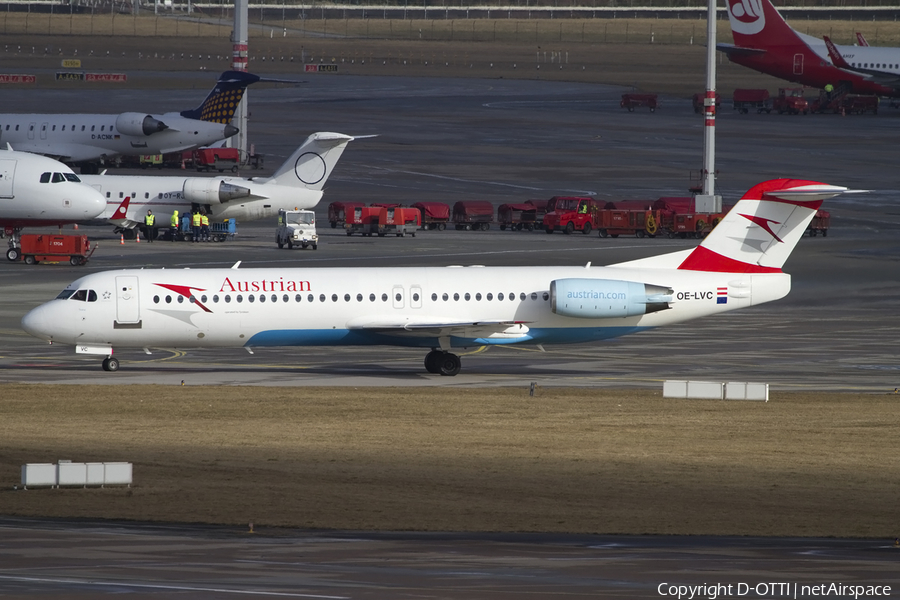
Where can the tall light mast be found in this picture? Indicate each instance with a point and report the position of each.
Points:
(239, 38)
(708, 201)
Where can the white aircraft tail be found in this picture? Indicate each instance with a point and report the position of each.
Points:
(311, 164)
(762, 229)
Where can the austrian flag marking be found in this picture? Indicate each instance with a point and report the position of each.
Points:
(722, 295)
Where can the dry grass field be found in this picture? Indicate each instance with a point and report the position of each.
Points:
(566, 460)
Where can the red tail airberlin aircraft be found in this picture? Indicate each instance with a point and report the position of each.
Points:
(438, 308)
(763, 41)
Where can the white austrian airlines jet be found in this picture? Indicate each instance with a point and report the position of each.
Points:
(36, 191)
(85, 139)
(736, 266)
(297, 184)
(763, 41)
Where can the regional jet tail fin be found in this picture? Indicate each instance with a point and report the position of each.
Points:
(224, 98)
(759, 233)
(311, 164)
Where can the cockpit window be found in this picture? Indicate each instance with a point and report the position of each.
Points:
(64, 295)
(58, 178)
(45, 177)
(92, 296)
(71, 177)
(80, 295)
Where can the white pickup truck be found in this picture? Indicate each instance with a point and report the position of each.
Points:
(296, 228)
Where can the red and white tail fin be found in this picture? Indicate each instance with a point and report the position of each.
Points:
(759, 233)
(835, 55)
(861, 39)
(121, 213)
(756, 24)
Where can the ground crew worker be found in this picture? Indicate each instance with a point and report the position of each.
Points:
(829, 90)
(204, 227)
(149, 228)
(195, 227)
(174, 224)
(582, 208)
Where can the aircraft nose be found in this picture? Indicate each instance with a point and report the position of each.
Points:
(91, 203)
(231, 130)
(36, 322)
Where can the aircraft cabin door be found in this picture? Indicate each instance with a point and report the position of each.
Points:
(128, 309)
(798, 64)
(44, 131)
(7, 175)
(31, 127)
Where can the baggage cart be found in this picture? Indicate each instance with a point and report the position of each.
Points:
(472, 215)
(219, 232)
(819, 224)
(632, 101)
(517, 217)
(74, 249)
(745, 100)
(435, 215)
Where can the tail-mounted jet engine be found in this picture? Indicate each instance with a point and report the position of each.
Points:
(131, 123)
(205, 190)
(607, 298)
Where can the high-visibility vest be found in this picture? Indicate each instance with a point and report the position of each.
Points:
(196, 219)
(204, 220)
(150, 220)
(174, 220)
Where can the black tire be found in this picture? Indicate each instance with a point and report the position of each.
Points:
(75, 261)
(548, 229)
(334, 224)
(234, 169)
(502, 226)
(448, 364)
(110, 364)
(570, 228)
(602, 233)
(824, 233)
(281, 244)
(639, 233)
(431, 361)
(485, 226)
(315, 246)
(13, 254)
(290, 244)
(530, 227)
(587, 229)
(30, 260)
(442, 226)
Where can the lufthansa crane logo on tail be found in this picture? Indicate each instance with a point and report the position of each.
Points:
(764, 224)
(747, 16)
(310, 168)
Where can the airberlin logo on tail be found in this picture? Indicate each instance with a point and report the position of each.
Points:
(746, 16)
(763, 223)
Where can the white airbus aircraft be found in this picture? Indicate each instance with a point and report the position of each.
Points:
(737, 265)
(86, 138)
(36, 190)
(297, 183)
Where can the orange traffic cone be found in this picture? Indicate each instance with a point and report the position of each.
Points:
(122, 239)
(76, 225)
(137, 236)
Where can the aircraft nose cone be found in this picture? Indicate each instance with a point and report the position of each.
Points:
(91, 202)
(35, 322)
(231, 130)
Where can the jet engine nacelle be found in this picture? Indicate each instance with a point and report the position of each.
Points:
(205, 190)
(606, 298)
(131, 123)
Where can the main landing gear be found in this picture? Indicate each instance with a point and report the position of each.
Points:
(15, 243)
(445, 363)
(111, 364)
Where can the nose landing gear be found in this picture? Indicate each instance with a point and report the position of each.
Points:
(111, 364)
(444, 363)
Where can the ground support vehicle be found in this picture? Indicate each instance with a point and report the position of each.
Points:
(632, 101)
(218, 159)
(570, 214)
(435, 215)
(698, 99)
(631, 217)
(362, 220)
(219, 232)
(791, 101)
(37, 248)
(399, 221)
(860, 105)
(338, 211)
(745, 100)
(472, 215)
(517, 217)
(694, 225)
(296, 228)
(151, 160)
(819, 224)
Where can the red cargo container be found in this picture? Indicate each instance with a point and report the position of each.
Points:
(630, 101)
(473, 214)
(746, 99)
(338, 211)
(819, 224)
(399, 221)
(55, 248)
(540, 209)
(435, 215)
(363, 219)
(517, 217)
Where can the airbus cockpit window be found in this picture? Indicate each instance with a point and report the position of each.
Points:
(64, 295)
(71, 177)
(58, 178)
(45, 177)
(82, 295)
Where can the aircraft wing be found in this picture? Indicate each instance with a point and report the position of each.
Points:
(441, 328)
(731, 49)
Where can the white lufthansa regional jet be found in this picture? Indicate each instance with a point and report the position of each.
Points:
(296, 184)
(37, 191)
(85, 139)
(736, 266)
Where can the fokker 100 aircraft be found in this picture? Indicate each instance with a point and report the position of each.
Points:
(85, 139)
(36, 191)
(441, 308)
(296, 184)
(763, 41)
